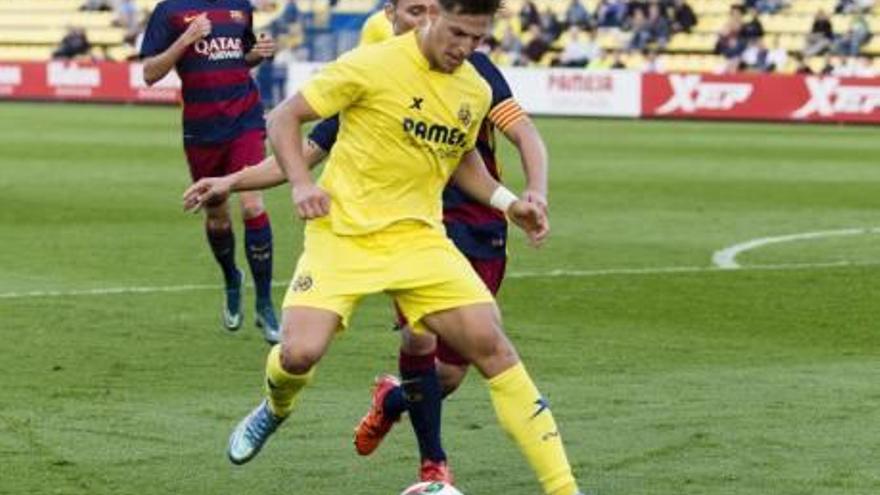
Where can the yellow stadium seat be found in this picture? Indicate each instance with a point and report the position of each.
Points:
(873, 46)
(710, 24)
(25, 52)
(16, 20)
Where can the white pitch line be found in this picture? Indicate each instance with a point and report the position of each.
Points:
(725, 259)
(549, 274)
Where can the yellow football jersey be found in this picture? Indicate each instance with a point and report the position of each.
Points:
(403, 130)
(376, 29)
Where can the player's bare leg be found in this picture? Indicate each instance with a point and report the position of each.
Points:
(451, 376)
(218, 228)
(475, 332)
(258, 248)
(290, 366)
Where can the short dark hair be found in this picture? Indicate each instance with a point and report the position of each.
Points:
(471, 7)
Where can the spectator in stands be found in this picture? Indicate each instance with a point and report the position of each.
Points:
(731, 29)
(97, 6)
(800, 65)
(754, 57)
(730, 43)
(730, 47)
(534, 50)
(770, 6)
(757, 57)
(510, 43)
(634, 5)
(74, 44)
(752, 28)
(577, 15)
(659, 26)
(682, 16)
(611, 13)
(850, 44)
(777, 56)
(641, 31)
(550, 24)
(653, 30)
(854, 6)
(127, 16)
(529, 15)
(821, 35)
(580, 47)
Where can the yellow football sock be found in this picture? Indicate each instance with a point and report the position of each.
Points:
(524, 415)
(282, 388)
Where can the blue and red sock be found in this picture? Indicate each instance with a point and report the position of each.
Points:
(258, 246)
(422, 396)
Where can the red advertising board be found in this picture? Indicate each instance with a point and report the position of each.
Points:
(68, 81)
(761, 97)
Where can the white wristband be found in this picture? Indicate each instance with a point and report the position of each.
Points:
(502, 198)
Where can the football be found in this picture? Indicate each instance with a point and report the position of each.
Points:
(431, 488)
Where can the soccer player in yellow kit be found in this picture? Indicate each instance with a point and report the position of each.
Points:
(375, 224)
(429, 370)
(376, 29)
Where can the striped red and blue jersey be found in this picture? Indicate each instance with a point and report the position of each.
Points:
(478, 231)
(220, 99)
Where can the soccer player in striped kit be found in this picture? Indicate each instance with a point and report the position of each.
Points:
(212, 46)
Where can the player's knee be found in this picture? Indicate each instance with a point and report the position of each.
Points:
(252, 206)
(299, 360)
(218, 224)
(493, 352)
(414, 344)
(217, 218)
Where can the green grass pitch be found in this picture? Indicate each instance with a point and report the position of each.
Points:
(666, 376)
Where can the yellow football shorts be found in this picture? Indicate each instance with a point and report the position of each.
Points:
(411, 261)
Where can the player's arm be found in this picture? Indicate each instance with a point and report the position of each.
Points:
(266, 175)
(533, 153)
(511, 119)
(285, 126)
(474, 179)
(336, 87)
(158, 66)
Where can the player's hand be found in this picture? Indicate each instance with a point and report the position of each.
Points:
(532, 219)
(198, 29)
(536, 197)
(206, 192)
(265, 46)
(311, 201)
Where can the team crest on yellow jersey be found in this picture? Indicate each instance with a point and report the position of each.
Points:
(464, 114)
(302, 283)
